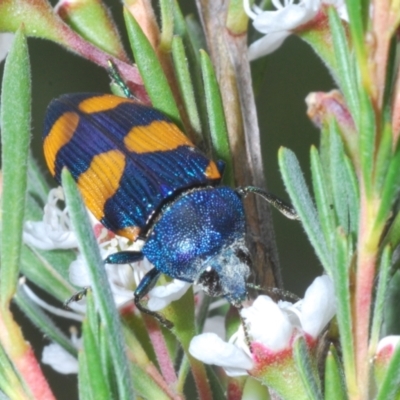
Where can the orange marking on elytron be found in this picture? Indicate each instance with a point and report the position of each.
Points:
(101, 180)
(100, 103)
(158, 136)
(211, 171)
(59, 135)
(130, 232)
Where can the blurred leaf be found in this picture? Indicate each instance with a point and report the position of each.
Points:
(151, 71)
(84, 385)
(39, 267)
(196, 35)
(391, 323)
(15, 114)
(306, 369)
(236, 20)
(37, 184)
(167, 24)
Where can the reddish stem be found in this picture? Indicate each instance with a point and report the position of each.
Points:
(129, 72)
(382, 26)
(161, 351)
(23, 358)
(366, 265)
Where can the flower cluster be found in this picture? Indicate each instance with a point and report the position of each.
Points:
(289, 17)
(272, 328)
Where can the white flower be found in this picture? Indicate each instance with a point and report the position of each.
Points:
(6, 40)
(161, 296)
(54, 231)
(274, 326)
(59, 359)
(277, 25)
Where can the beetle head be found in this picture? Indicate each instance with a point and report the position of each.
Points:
(226, 273)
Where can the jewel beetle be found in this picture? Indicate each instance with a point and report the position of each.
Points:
(142, 178)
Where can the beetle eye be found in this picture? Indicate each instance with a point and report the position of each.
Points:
(243, 256)
(210, 282)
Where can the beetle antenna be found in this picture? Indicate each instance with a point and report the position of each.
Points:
(245, 330)
(286, 209)
(275, 292)
(117, 79)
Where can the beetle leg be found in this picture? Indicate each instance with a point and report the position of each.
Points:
(124, 257)
(145, 285)
(76, 297)
(286, 209)
(116, 77)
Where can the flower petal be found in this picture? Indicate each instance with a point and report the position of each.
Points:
(211, 349)
(286, 19)
(161, 296)
(45, 237)
(318, 306)
(268, 324)
(59, 359)
(267, 44)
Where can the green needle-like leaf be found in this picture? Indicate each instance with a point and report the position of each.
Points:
(15, 130)
(302, 202)
(320, 191)
(216, 118)
(335, 388)
(367, 128)
(344, 186)
(306, 369)
(380, 297)
(167, 24)
(345, 68)
(151, 71)
(340, 277)
(358, 10)
(90, 333)
(101, 289)
(40, 268)
(389, 193)
(185, 85)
